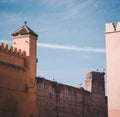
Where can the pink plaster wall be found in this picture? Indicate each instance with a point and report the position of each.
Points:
(113, 68)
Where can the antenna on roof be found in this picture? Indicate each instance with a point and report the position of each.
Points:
(25, 22)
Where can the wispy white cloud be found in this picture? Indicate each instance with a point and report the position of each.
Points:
(70, 8)
(59, 9)
(64, 47)
(80, 9)
(71, 48)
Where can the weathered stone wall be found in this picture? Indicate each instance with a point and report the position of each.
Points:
(59, 100)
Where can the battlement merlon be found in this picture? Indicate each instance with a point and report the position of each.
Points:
(12, 50)
(110, 27)
(12, 56)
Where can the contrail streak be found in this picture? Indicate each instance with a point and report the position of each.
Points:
(64, 47)
(73, 48)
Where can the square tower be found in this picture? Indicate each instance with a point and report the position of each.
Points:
(113, 68)
(26, 39)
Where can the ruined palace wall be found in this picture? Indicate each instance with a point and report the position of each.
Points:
(58, 100)
(97, 105)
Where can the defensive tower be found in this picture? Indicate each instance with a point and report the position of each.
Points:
(17, 75)
(113, 68)
(25, 39)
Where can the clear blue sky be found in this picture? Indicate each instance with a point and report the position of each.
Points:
(71, 33)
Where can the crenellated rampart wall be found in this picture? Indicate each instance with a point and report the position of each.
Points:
(11, 55)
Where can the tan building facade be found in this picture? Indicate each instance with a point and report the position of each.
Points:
(113, 68)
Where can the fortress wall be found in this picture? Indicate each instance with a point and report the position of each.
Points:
(17, 79)
(63, 100)
(58, 99)
(12, 91)
(13, 56)
(16, 100)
